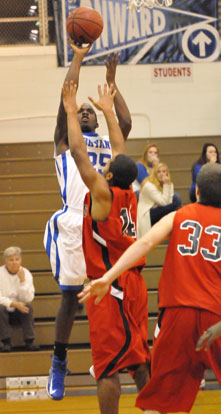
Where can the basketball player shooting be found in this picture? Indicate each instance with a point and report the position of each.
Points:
(63, 233)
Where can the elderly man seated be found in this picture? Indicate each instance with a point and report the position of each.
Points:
(16, 294)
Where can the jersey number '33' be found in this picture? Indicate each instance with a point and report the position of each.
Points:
(214, 253)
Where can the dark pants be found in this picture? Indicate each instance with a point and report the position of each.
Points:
(156, 213)
(193, 195)
(16, 318)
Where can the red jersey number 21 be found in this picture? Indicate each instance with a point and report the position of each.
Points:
(128, 225)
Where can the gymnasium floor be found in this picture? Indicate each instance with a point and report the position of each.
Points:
(207, 402)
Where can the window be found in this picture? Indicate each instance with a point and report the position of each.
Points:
(26, 22)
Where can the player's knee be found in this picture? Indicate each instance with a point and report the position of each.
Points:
(69, 299)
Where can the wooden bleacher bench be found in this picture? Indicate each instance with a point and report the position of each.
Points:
(29, 196)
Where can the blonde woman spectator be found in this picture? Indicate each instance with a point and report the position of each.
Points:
(156, 199)
(145, 165)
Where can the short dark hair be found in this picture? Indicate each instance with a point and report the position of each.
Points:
(209, 183)
(124, 171)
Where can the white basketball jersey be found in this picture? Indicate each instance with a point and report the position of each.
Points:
(72, 188)
(63, 233)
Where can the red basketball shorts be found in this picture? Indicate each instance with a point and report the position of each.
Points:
(119, 326)
(176, 368)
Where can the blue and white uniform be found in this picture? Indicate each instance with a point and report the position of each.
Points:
(63, 233)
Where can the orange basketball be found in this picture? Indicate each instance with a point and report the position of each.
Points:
(84, 25)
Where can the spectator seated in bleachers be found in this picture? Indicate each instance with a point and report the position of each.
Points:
(145, 165)
(149, 159)
(16, 294)
(209, 153)
(156, 199)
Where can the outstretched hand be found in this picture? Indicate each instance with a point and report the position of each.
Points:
(79, 50)
(69, 91)
(208, 337)
(98, 288)
(111, 65)
(106, 98)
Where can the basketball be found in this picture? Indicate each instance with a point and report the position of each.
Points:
(84, 25)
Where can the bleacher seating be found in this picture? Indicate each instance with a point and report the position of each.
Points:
(29, 196)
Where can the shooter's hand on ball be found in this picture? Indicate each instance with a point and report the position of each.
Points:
(79, 50)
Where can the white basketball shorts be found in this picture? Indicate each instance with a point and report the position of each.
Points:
(63, 244)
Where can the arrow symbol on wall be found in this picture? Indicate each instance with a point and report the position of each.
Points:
(202, 40)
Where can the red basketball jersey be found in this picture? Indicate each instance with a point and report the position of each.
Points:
(105, 241)
(191, 273)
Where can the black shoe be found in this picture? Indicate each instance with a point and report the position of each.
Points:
(6, 348)
(32, 347)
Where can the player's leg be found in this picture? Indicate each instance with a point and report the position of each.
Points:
(212, 357)
(137, 306)
(66, 312)
(176, 370)
(64, 247)
(108, 391)
(141, 376)
(64, 322)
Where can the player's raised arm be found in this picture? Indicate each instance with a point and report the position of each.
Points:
(121, 108)
(159, 232)
(60, 135)
(105, 104)
(93, 180)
